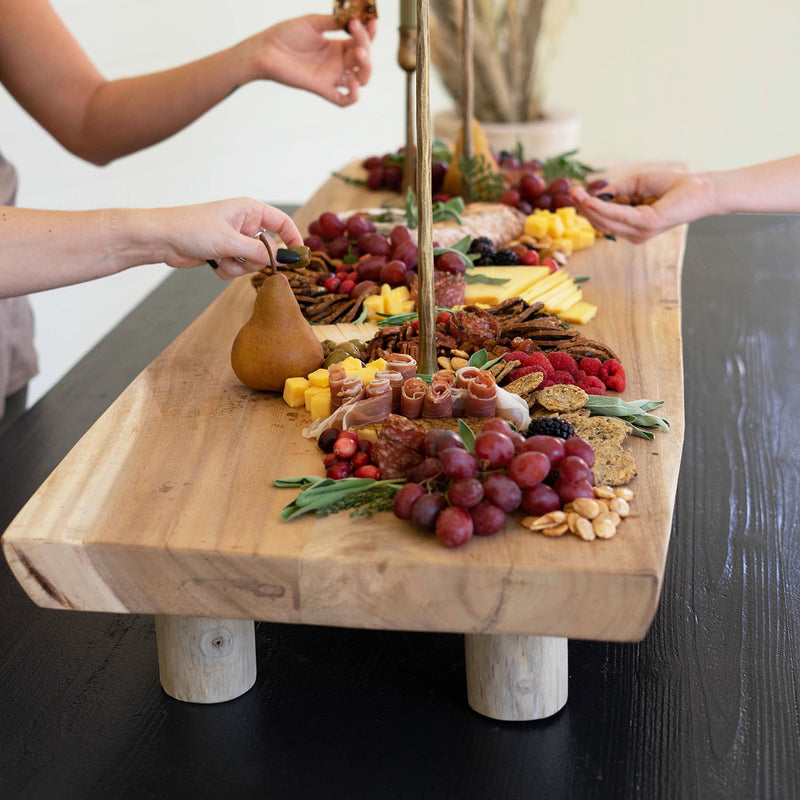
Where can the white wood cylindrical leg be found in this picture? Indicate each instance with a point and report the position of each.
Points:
(511, 677)
(205, 660)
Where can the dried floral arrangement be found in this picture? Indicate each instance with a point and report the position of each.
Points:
(513, 42)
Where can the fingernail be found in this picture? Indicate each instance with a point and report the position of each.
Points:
(605, 196)
(284, 256)
(211, 263)
(609, 237)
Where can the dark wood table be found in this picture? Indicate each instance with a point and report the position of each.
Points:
(705, 706)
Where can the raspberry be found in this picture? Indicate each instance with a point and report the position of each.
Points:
(539, 359)
(547, 382)
(579, 375)
(518, 372)
(613, 375)
(516, 355)
(591, 366)
(563, 361)
(591, 384)
(562, 376)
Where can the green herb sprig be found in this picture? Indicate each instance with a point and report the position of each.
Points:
(566, 166)
(326, 496)
(347, 179)
(440, 212)
(481, 182)
(633, 413)
(401, 319)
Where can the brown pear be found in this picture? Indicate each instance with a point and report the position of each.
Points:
(277, 342)
(453, 179)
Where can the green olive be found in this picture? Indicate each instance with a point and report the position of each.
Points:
(350, 349)
(328, 346)
(335, 357)
(304, 253)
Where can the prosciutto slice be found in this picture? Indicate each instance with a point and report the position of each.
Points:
(396, 380)
(353, 388)
(375, 406)
(481, 396)
(465, 376)
(438, 402)
(413, 397)
(404, 364)
(336, 376)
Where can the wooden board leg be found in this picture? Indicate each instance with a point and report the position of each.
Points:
(511, 677)
(205, 660)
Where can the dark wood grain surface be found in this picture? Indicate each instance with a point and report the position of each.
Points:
(705, 706)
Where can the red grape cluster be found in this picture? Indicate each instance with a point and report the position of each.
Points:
(386, 172)
(371, 257)
(528, 188)
(458, 493)
(346, 455)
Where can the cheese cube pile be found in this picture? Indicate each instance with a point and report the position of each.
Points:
(395, 300)
(314, 390)
(568, 229)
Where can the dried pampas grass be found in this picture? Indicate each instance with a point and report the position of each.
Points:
(513, 42)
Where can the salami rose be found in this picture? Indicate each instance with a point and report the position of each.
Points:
(412, 397)
(404, 364)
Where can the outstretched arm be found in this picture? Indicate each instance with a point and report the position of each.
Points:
(48, 73)
(45, 249)
(770, 187)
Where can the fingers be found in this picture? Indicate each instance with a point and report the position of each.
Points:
(273, 219)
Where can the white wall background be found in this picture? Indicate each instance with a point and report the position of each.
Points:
(706, 82)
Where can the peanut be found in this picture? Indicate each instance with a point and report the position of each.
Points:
(606, 492)
(620, 506)
(603, 527)
(586, 507)
(624, 492)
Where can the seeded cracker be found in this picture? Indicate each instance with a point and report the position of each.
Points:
(503, 368)
(613, 466)
(562, 398)
(526, 384)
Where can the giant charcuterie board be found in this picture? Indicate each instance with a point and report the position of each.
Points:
(166, 505)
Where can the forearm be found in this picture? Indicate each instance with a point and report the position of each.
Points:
(770, 187)
(129, 114)
(45, 249)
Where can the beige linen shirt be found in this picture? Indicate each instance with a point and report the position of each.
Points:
(17, 355)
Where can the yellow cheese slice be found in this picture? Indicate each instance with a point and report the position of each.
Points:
(579, 313)
(518, 280)
(544, 285)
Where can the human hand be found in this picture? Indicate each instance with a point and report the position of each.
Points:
(297, 53)
(682, 197)
(221, 231)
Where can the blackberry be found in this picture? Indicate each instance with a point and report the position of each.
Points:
(481, 245)
(505, 258)
(551, 426)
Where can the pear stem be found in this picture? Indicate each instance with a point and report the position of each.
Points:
(265, 242)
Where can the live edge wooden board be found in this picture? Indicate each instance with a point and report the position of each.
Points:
(166, 505)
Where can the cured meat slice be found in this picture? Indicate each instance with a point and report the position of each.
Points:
(399, 446)
(352, 389)
(481, 396)
(336, 376)
(474, 325)
(465, 376)
(412, 397)
(404, 364)
(396, 380)
(438, 401)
